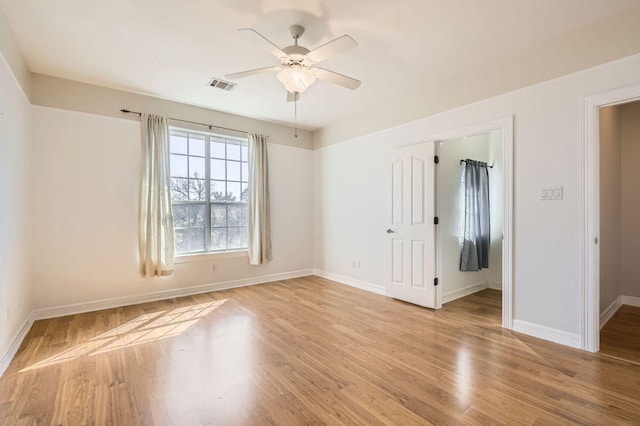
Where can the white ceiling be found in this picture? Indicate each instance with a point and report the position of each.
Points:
(171, 49)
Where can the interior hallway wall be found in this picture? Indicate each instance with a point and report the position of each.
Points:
(610, 206)
(630, 194)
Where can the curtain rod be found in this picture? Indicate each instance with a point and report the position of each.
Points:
(210, 126)
(464, 161)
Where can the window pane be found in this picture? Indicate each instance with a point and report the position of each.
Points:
(196, 167)
(245, 152)
(234, 215)
(196, 144)
(197, 190)
(233, 191)
(178, 143)
(180, 216)
(244, 219)
(219, 239)
(178, 165)
(218, 190)
(245, 193)
(217, 148)
(196, 239)
(217, 169)
(179, 189)
(233, 151)
(233, 170)
(245, 172)
(218, 215)
(245, 237)
(196, 217)
(181, 240)
(234, 238)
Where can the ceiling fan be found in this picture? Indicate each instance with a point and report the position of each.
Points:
(297, 71)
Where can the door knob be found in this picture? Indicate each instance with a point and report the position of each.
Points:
(390, 231)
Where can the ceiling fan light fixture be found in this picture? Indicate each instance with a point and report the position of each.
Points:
(296, 78)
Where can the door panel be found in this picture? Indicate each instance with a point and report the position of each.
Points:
(412, 233)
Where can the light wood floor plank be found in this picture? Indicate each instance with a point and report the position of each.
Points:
(308, 351)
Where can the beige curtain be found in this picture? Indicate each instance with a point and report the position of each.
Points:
(259, 217)
(155, 221)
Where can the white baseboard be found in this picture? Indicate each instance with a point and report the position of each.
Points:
(547, 333)
(606, 315)
(473, 288)
(16, 341)
(79, 308)
(353, 282)
(631, 301)
(494, 285)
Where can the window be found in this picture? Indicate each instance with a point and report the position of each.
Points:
(209, 191)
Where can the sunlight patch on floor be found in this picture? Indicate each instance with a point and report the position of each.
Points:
(143, 329)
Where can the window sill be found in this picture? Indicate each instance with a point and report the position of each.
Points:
(204, 257)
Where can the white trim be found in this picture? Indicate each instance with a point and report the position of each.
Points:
(79, 308)
(495, 285)
(589, 213)
(16, 341)
(473, 288)
(631, 301)
(353, 282)
(547, 333)
(606, 315)
(505, 125)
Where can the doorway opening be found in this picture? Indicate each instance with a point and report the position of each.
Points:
(591, 208)
(469, 203)
(502, 131)
(619, 209)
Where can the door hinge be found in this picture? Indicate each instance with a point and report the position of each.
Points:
(436, 220)
(436, 159)
(435, 281)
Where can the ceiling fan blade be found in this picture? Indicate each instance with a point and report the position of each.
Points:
(254, 35)
(332, 48)
(252, 72)
(292, 97)
(334, 77)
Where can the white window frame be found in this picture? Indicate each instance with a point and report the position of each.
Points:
(207, 253)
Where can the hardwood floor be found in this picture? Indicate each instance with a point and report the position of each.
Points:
(620, 337)
(306, 351)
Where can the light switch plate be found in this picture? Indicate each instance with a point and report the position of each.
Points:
(551, 193)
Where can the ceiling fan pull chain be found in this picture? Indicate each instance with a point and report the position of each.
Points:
(295, 111)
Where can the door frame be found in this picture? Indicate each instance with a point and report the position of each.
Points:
(505, 126)
(590, 211)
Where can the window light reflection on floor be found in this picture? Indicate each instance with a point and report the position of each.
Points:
(143, 329)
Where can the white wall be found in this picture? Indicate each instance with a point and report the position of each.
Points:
(630, 195)
(610, 206)
(15, 207)
(450, 210)
(352, 192)
(86, 172)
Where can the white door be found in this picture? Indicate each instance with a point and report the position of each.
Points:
(412, 230)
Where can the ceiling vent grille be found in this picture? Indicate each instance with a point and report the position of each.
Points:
(221, 84)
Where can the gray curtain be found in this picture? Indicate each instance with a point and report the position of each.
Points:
(259, 216)
(155, 220)
(477, 233)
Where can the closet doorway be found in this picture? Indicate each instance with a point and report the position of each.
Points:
(473, 207)
(620, 231)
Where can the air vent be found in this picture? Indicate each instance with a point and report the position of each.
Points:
(221, 84)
